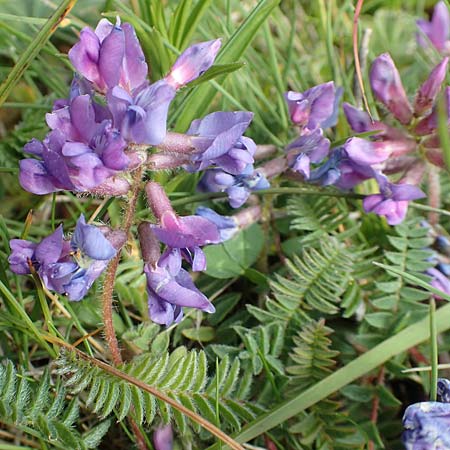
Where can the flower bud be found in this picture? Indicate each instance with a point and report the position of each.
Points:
(192, 63)
(429, 90)
(388, 88)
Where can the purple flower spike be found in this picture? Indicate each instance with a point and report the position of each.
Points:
(142, 119)
(163, 438)
(310, 147)
(218, 140)
(168, 293)
(315, 107)
(438, 30)
(110, 56)
(429, 90)
(184, 236)
(193, 62)
(392, 201)
(426, 426)
(69, 268)
(388, 88)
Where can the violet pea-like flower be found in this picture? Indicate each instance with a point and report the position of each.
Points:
(192, 63)
(392, 201)
(183, 237)
(110, 56)
(437, 30)
(309, 147)
(316, 107)
(388, 89)
(238, 187)
(142, 117)
(218, 140)
(168, 293)
(67, 267)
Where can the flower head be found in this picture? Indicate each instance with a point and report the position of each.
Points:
(142, 118)
(110, 56)
(309, 147)
(183, 237)
(427, 93)
(79, 154)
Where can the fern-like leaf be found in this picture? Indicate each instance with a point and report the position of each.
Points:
(43, 411)
(180, 375)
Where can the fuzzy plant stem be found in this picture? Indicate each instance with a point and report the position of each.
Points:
(434, 194)
(108, 291)
(107, 297)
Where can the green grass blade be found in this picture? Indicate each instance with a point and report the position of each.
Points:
(34, 48)
(18, 309)
(198, 100)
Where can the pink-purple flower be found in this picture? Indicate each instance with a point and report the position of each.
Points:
(392, 201)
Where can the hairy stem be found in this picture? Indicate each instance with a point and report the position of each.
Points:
(108, 291)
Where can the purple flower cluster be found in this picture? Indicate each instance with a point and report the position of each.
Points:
(402, 149)
(427, 424)
(67, 267)
(98, 134)
(111, 106)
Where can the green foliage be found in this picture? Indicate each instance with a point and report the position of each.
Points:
(318, 279)
(396, 301)
(182, 375)
(311, 356)
(44, 411)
